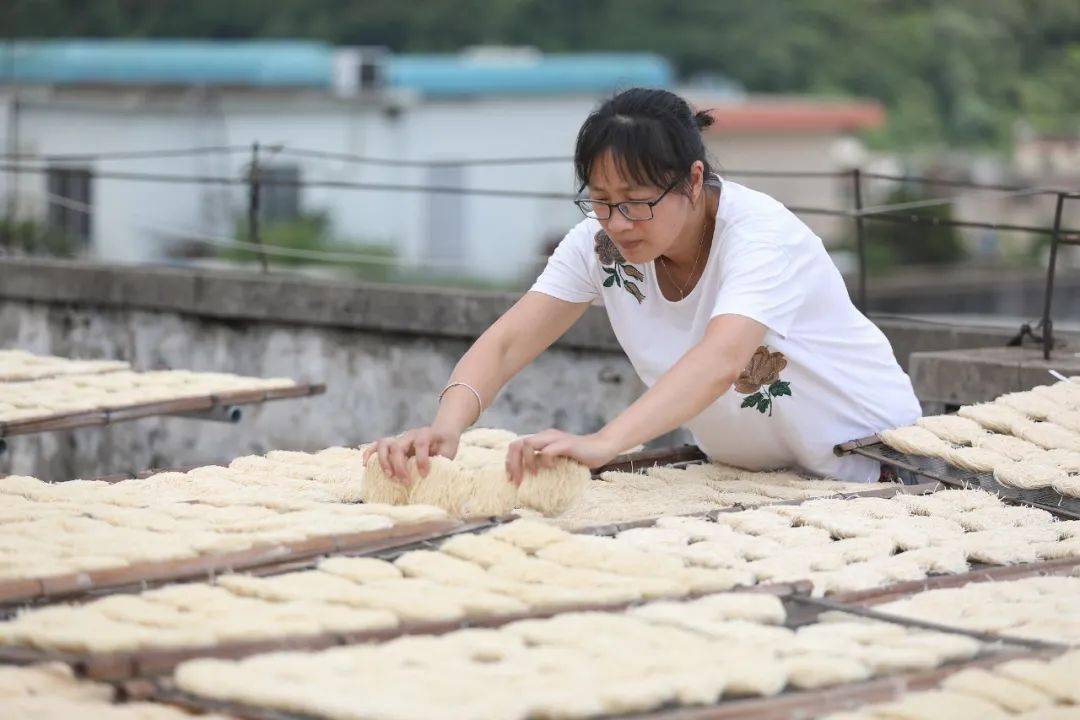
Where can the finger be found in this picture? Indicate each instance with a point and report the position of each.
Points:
(438, 446)
(369, 451)
(538, 443)
(513, 461)
(563, 447)
(528, 455)
(398, 459)
(543, 439)
(546, 457)
(383, 448)
(422, 449)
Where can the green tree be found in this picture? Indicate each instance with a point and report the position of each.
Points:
(957, 72)
(310, 238)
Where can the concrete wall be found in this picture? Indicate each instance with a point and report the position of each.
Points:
(384, 352)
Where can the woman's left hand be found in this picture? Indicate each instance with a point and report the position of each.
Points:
(530, 453)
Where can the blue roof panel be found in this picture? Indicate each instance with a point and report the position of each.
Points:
(292, 63)
(184, 62)
(588, 73)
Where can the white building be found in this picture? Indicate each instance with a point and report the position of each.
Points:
(86, 97)
(81, 97)
(799, 135)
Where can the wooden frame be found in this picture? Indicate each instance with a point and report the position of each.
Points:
(139, 575)
(93, 418)
(790, 705)
(631, 462)
(129, 665)
(937, 469)
(995, 573)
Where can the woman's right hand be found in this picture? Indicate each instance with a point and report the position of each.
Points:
(422, 443)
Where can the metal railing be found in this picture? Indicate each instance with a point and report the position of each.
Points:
(254, 181)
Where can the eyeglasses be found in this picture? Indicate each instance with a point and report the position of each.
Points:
(634, 210)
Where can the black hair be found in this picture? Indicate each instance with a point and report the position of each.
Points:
(653, 136)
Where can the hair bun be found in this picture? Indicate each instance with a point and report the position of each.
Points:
(703, 119)
(653, 134)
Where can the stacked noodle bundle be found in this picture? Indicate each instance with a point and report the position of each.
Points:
(531, 566)
(16, 365)
(514, 569)
(1037, 608)
(475, 482)
(50, 691)
(1029, 440)
(49, 529)
(622, 497)
(1021, 689)
(52, 679)
(578, 665)
(66, 394)
(846, 545)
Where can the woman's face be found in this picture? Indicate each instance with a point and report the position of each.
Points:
(642, 241)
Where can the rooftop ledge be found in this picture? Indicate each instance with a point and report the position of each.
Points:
(235, 295)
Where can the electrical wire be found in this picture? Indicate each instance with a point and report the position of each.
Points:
(274, 250)
(129, 154)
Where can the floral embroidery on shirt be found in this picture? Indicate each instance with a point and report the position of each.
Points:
(763, 372)
(609, 255)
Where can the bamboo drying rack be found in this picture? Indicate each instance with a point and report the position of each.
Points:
(18, 592)
(789, 705)
(129, 665)
(185, 406)
(939, 470)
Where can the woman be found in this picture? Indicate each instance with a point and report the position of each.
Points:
(726, 304)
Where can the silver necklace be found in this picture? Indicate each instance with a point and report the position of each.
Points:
(693, 268)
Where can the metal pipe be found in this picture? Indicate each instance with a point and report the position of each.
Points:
(230, 414)
(1055, 239)
(254, 182)
(939, 222)
(860, 240)
(12, 139)
(869, 613)
(877, 216)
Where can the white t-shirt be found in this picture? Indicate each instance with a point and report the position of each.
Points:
(840, 380)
